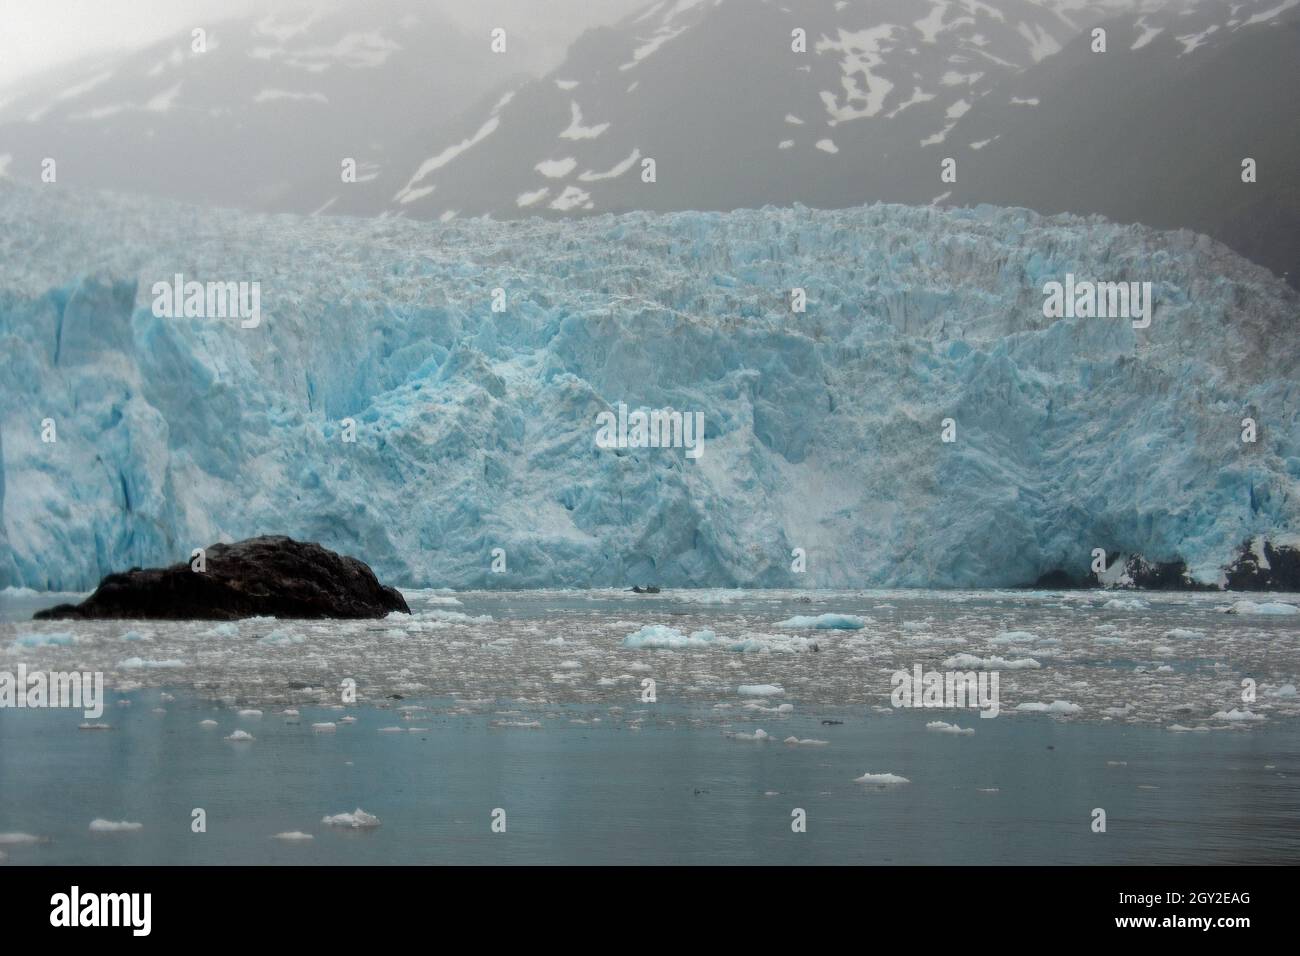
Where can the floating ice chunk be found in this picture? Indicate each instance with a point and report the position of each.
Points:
(781, 643)
(1014, 637)
(1265, 607)
(327, 727)
(444, 599)
(42, 640)
(1236, 715)
(760, 690)
(1286, 690)
(239, 735)
(226, 630)
(90, 726)
(940, 727)
(250, 712)
(1183, 633)
(962, 661)
(662, 636)
(347, 720)
(19, 839)
(391, 730)
(293, 836)
(1180, 729)
(807, 742)
(455, 617)
(280, 638)
(887, 778)
(1119, 604)
(207, 724)
(759, 734)
(290, 712)
(1055, 707)
(840, 622)
(100, 825)
(136, 663)
(357, 819)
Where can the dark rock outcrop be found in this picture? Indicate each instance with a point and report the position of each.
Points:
(1259, 565)
(272, 576)
(1276, 569)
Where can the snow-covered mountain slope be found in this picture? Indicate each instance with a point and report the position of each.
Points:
(716, 93)
(263, 115)
(1152, 129)
(477, 430)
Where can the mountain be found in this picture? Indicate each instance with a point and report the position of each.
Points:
(732, 115)
(261, 118)
(1152, 131)
(1155, 130)
(478, 429)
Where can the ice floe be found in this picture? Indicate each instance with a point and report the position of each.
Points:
(357, 819)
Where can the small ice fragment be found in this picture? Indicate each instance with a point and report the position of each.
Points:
(357, 819)
(840, 622)
(1265, 607)
(880, 778)
(19, 839)
(240, 735)
(293, 836)
(940, 727)
(1055, 707)
(1238, 715)
(100, 825)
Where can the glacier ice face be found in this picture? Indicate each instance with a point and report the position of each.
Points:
(475, 430)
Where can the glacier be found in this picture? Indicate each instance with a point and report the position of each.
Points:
(475, 463)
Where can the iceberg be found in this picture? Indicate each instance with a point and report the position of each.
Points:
(392, 405)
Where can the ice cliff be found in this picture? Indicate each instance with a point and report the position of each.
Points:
(475, 430)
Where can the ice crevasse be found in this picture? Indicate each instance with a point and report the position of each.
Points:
(476, 429)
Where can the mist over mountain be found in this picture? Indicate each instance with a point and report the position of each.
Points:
(262, 117)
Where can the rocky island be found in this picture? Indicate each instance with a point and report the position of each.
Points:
(271, 576)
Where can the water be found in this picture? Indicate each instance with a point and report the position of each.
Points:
(607, 778)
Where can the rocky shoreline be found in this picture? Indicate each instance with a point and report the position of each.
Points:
(1259, 565)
